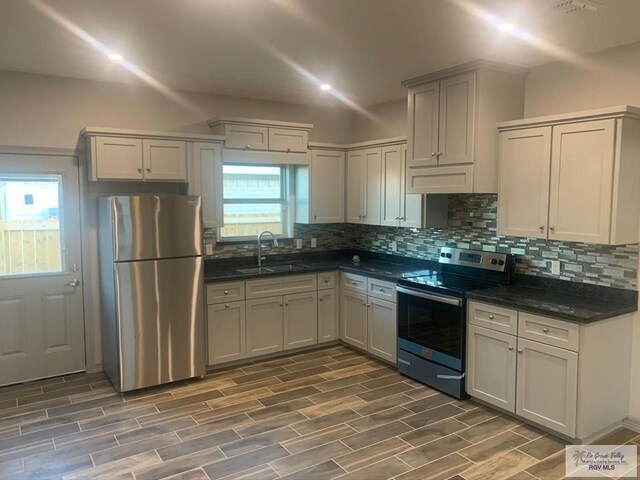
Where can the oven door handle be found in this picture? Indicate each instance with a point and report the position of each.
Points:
(436, 298)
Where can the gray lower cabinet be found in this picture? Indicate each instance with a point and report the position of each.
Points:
(227, 320)
(547, 385)
(264, 326)
(300, 320)
(381, 329)
(353, 314)
(491, 366)
(327, 316)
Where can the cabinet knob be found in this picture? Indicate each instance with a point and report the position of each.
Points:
(226, 305)
(288, 150)
(510, 347)
(542, 228)
(139, 170)
(545, 330)
(148, 170)
(552, 229)
(280, 305)
(368, 305)
(381, 289)
(433, 154)
(226, 292)
(315, 217)
(286, 304)
(320, 299)
(247, 147)
(519, 350)
(491, 317)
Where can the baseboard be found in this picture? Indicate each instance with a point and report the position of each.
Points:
(632, 423)
(95, 368)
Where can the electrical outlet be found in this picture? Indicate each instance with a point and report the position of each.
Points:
(298, 243)
(555, 267)
(208, 248)
(314, 242)
(394, 246)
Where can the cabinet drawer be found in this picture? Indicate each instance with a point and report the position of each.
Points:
(246, 136)
(493, 317)
(225, 292)
(381, 289)
(284, 285)
(288, 140)
(354, 283)
(549, 331)
(327, 280)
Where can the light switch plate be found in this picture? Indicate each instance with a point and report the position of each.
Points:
(298, 243)
(208, 249)
(555, 267)
(394, 246)
(314, 243)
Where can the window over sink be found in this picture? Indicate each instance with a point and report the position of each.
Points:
(256, 198)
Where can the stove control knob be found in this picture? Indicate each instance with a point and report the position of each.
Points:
(448, 255)
(442, 254)
(500, 262)
(494, 261)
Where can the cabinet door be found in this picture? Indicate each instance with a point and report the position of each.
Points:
(118, 158)
(356, 172)
(264, 326)
(226, 332)
(373, 186)
(327, 315)
(523, 192)
(457, 116)
(411, 204)
(392, 173)
(353, 318)
(582, 161)
(246, 137)
(491, 367)
(327, 186)
(288, 140)
(300, 320)
(382, 329)
(423, 118)
(164, 160)
(205, 179)
(547, 386)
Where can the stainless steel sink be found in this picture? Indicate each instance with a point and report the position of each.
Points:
(271, 269)
(254, 270)
(285, 268)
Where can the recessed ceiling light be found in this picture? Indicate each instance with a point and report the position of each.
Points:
(506, 27)
(116, 57)
(325, 87)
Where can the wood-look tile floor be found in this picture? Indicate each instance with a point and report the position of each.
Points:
(321, 414)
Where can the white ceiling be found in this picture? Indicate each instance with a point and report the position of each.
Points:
(261, 48)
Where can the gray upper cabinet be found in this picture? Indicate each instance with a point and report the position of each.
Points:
(262, 135)
(452, 144)
(571, 177)
(141, 155)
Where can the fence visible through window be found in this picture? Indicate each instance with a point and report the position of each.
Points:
(30, 234)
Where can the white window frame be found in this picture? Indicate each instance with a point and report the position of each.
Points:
(285, 200)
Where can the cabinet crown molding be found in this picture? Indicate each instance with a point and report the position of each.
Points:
(88, 132)
(213, 122)
(355, 146)
(464, 68)
(618, 111)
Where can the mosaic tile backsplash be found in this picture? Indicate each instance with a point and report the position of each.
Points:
(471, 224)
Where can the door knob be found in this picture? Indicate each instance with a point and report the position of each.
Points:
(75, 283)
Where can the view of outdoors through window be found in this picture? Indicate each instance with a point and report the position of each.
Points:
(253, 200)
(29, 225)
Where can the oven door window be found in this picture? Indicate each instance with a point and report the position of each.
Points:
(437, 327)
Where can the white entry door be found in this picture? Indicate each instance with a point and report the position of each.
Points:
(41, 311)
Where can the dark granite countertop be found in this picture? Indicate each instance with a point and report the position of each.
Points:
(385, 267)
(571, 301)
(578, 303)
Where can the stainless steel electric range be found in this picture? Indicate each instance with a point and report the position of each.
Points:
(432, 315)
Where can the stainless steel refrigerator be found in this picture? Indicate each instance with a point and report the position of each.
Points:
(151, 273)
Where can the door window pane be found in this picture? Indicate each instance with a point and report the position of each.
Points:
(30, 233)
